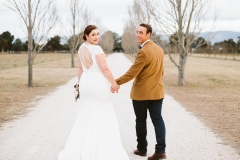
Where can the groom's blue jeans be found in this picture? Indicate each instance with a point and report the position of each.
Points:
(155, 110)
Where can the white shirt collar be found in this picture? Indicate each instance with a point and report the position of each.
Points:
(145, 42)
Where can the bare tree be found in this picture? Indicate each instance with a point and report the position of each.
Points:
(78, 18)
(187, 19)
(129, 43)
(39, 17)
(137, 13)
(107, 41)
(76, 15)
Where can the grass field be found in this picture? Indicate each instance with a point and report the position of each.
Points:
(211, 92)
(49, 71)
(225, 56)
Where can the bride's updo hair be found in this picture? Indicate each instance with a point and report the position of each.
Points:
(87, 31)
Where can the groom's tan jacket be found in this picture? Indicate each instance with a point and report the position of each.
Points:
(148, 73)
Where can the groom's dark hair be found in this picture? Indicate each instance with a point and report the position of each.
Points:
(148, 26)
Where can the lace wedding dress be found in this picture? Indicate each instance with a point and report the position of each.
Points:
(95, 134)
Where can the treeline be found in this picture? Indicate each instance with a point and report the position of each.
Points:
(200, 45)
(110, 42)
(8, 44)
(228, 46)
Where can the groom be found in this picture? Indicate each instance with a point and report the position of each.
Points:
(147, 91)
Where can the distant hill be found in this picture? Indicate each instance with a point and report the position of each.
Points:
(219, 36)
(222, 35)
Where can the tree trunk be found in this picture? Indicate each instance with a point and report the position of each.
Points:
(30, 61)
(72, 58)
(30, 42)
(74, 33)
(181, 69)
(181, 45)
(30, 74)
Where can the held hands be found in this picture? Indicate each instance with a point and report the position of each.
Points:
(114, 88)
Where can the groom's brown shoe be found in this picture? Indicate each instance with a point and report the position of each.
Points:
(137, 152)
(157, 156)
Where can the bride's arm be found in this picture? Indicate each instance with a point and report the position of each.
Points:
(80, 70)
(101, 60)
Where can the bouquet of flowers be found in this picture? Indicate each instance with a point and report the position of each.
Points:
(76, 92)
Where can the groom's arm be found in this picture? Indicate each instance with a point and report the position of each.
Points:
(134, 70)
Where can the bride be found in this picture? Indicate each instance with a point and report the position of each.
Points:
(95, 134)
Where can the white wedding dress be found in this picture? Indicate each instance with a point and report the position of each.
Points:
(95, 134)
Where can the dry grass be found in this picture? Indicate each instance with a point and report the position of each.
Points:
(211, 93)
(49, 71)
(229, 56)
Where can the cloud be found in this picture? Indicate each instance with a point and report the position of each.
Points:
(227, 9)
(110, 12)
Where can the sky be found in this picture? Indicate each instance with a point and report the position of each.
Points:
(113, 12)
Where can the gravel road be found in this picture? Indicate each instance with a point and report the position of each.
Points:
(42, 133)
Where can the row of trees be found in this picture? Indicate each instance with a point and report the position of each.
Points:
(110, 42)
(8, 44)
(225, 46)
(228, 46)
